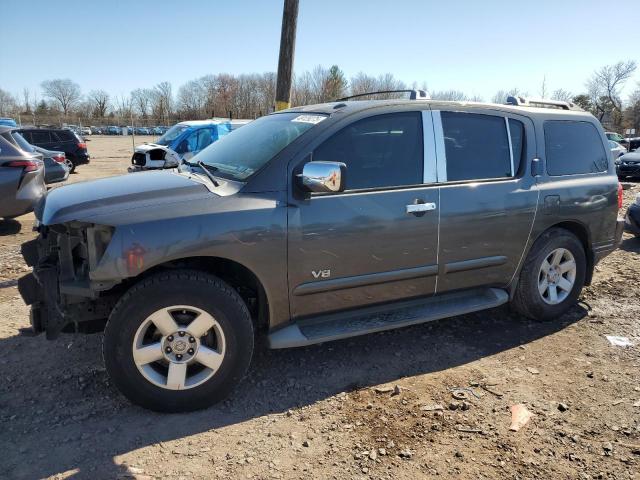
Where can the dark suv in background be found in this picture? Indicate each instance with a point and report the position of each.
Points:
(319, 223)
(60, 139)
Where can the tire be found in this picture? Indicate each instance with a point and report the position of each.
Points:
(71, 165)
(135, 347)
(535, 304)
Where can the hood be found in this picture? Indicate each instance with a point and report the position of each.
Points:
(630, 157)
(88, 201)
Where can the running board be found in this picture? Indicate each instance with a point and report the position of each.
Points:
(376, 319)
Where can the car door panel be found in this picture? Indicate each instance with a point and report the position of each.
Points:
(357, 249)
(485, 224)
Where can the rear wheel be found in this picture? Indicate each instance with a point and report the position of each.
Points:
(552, 277)
(178, 341)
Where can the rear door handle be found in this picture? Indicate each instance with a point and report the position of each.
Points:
(420, 207)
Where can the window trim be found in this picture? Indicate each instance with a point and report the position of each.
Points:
(442, 155)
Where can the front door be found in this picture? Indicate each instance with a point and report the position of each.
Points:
(369, 244)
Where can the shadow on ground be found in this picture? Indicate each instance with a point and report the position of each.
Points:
(84, 423)
(9, 227)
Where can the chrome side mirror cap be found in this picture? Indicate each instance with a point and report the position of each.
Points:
(323, 177)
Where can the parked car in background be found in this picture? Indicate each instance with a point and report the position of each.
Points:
(9, 122)
(55, 165)
(85, 131)
(632, 218)
(113, 130)
(64, 140)
(628, 165)
(616, 149)
(21, 177)
(320, 223)
(616, 137)
(180, 142)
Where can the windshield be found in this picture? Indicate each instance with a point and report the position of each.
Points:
(242, 152)
(171, 134)
(24, 145)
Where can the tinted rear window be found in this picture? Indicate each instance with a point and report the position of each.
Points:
(64, 135)
(573, 148)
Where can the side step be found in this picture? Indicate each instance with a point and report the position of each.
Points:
(376, 319)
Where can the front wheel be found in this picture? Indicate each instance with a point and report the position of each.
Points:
(178, 341)
(552, 277)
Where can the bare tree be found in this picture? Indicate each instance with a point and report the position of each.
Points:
(141, 99)
(8, 104)
(608, 80)
(65, 92)
(543, 87)
(162, 102)
(26, 95)
(501, 95)
(363, 83)
(603, 89)
(562, 95)
(99, 101)
(450, 95)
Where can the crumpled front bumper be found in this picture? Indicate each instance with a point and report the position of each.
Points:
(39, 290)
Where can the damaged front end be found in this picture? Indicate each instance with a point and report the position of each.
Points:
(59, 291)
(153, 157)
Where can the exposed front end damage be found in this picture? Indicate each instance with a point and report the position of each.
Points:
(153, 157)
(60, 292)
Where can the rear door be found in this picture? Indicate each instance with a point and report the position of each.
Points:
(488, 198)
(364, 246)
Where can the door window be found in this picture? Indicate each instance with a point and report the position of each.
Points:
(477, 146)
(380, 151)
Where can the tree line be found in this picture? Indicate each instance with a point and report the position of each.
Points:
(252, 95)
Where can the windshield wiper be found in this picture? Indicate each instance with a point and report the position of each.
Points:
(207, 169)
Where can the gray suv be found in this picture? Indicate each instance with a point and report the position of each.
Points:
(320, 223)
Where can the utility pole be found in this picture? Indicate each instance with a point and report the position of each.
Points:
(287, 49)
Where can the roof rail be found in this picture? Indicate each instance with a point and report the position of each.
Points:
(541, 103)
(414, 94)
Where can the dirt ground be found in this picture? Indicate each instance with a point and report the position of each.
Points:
(378, 406)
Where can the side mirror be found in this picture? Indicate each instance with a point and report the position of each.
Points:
(323, 177)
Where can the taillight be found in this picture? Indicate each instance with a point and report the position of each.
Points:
(27, 165)
(82, 145)
(619, 195)
(59, 158)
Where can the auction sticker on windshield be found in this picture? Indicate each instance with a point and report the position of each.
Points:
(309, 118)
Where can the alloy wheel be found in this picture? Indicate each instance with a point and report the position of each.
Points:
(557, 276)
(179, 347)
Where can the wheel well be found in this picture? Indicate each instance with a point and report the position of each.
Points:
(581, 232)
(243, 280)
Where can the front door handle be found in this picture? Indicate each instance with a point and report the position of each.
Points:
(416, 208)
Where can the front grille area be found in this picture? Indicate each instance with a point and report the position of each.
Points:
(139, 159)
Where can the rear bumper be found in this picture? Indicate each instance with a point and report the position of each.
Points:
(600, 253)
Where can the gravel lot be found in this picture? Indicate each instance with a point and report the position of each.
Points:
(378, 406)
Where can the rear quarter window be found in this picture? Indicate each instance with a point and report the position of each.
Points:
(63, 135)
(573, 148)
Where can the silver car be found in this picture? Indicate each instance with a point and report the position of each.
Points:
(21, 177)
(616, 149)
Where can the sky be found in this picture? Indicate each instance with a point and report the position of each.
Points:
(478, 47)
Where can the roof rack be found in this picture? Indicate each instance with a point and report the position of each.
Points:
(541, 103)
(414, 94)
